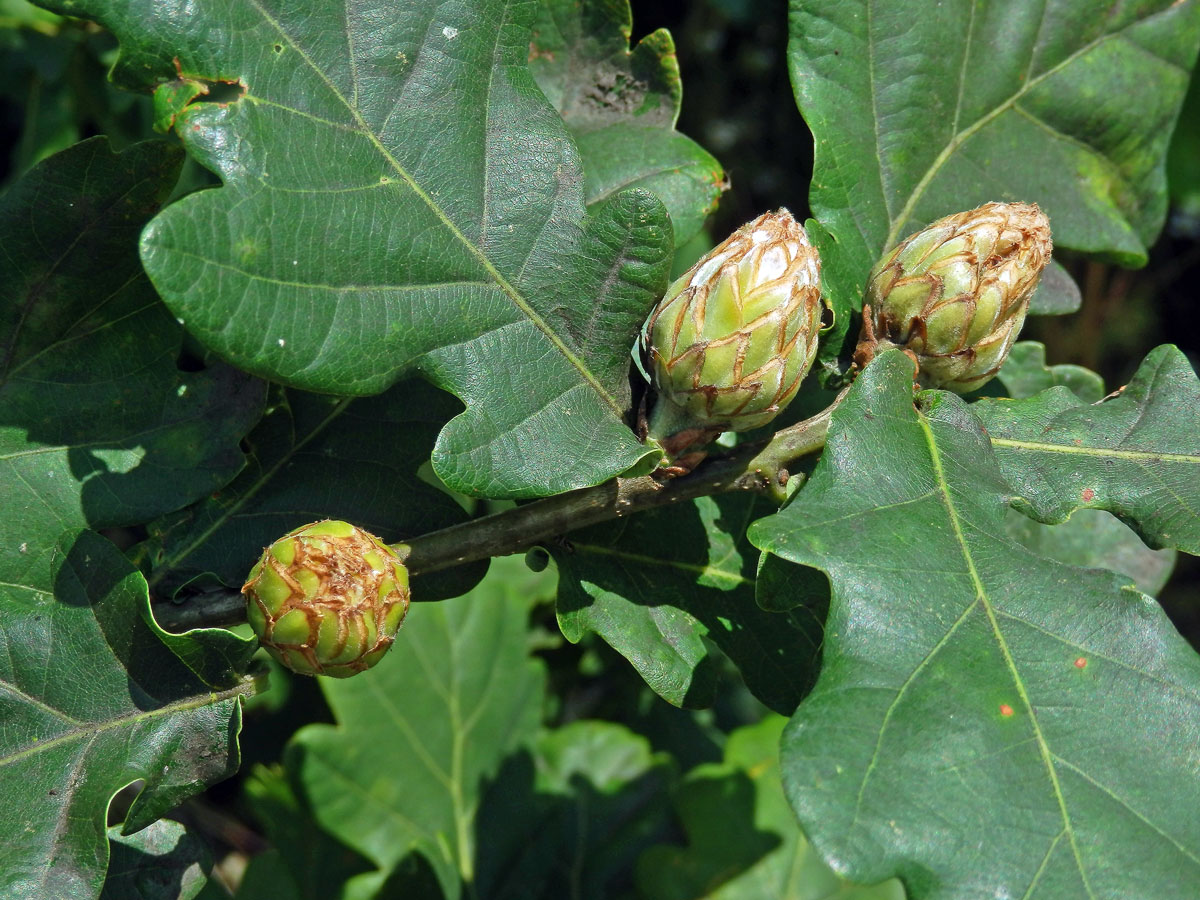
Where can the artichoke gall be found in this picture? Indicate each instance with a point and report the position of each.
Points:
(954, 295)
(728, 345)
(327, 599)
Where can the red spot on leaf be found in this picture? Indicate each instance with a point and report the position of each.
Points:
(1005, 710)
(1081, 662)
(1087, 495)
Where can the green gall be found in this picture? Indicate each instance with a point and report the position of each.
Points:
(728, 345)
(954, 295)
(327, 599)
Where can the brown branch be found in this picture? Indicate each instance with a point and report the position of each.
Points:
(753, 467)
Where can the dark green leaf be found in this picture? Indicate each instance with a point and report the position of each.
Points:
(621, 107)
(318, 457)
(94, 696)
(305, 862)
(1025, 373)
(419, 735)
(161, 862)
(399, 197)
(920, 109)
(1183, 160)
(1136, 455)
(1057, 293)
(569, 818)
(842, 282)
(978, 701)
(98, 426)
(659, 587)
(743, 841)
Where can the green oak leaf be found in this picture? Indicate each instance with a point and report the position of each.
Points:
(1183, 175)
(317, 457)
(743, 840)
(1092, 537)
(94, 696)
(419, 735)
(1136, 454)
(621, 107)
(977, 701)
(304, 862)
(569, 816)
(398, 197)
(98, 425)
(1070, 107)
(1025, 373)
(163, 861)
(663, 587)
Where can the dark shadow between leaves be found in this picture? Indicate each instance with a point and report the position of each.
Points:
(583, 842)
(711, 578)
(166, 858)
(94, 575)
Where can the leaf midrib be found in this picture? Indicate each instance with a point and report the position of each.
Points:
(960, 137)
(1102, 452)
(92, 730)
(513, 294)
(984, 602)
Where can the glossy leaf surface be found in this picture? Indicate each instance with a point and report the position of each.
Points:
(399, 197)
(621, 107)
(1065, 104)
(1136, 455)
(977, 699)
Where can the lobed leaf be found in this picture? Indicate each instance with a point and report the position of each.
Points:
(569, 817)
(1094, 539)
(977, 701)
(922, 109)
(662, 587)
(98, 425)
(398, 197)
(419, 735)
(316, 457)
(621, 107)
(1025, 373)
(1136, 454)
(94, 696)
(743, 840)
